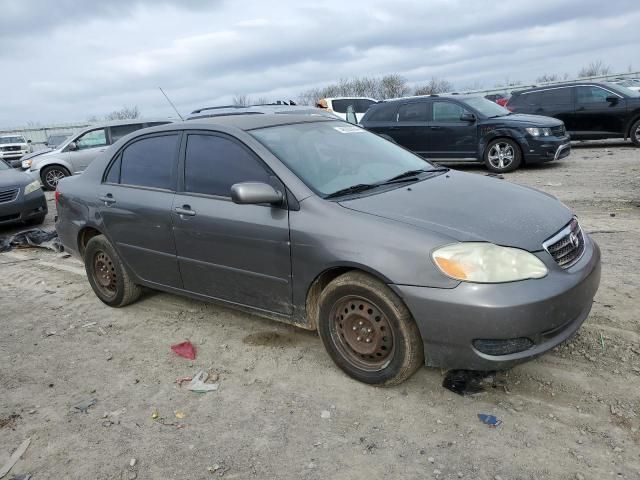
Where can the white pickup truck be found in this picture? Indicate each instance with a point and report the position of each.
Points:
(13, 147)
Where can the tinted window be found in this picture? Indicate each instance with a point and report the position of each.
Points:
(92, 139)
(413, 112)
(447, 112)
(383, 112)
(592, 95)
(150, 162)
(362, 105)
(114, 172)
(213, 164)
(119, 131)
(554, 96)
(359, 105)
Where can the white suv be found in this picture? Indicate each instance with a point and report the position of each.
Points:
(340, 106)
(13, 147)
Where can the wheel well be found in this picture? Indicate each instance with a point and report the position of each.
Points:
(59, 165)
(505, 137)
(84, 236)
(631, 124)
(312, 306)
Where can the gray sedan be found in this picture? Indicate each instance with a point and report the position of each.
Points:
(396, 262)
(21, 197)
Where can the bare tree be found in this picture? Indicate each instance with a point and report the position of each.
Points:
(435, 85)
(389, 86)
(246, 100)
(548, 77)
(594, 69)
(125, 113)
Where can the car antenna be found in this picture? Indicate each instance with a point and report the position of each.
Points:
(171, 103)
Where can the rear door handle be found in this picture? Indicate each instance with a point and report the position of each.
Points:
(185, 210)
(434, 127)
(107, 199)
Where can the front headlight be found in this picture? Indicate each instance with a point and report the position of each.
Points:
(26, 163)
(538, 132)
(481, 262)
(32, 187)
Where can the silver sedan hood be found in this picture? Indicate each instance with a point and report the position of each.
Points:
(469, 207)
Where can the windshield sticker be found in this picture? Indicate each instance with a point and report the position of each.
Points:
(349, 129)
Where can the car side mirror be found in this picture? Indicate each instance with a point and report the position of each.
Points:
(28, 141)
(468, 117)
(73, 146)
(612, 99)
(252, 193)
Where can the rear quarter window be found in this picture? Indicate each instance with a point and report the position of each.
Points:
(382, 112)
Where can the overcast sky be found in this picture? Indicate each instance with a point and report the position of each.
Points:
(67, 60)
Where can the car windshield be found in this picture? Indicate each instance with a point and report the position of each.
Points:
(485, 107)
(16, 139)
(332, 156)
(623, 90)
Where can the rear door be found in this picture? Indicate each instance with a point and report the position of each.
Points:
(88, 146)
(237, 253)
(135, 203)
(382, 119)
(597, 117)
(411, 128)
(449, 136)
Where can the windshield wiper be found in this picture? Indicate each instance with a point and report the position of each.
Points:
(360, 187)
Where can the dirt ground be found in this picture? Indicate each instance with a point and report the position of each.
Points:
(284, 411)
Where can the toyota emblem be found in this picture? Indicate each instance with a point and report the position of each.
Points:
(575, 241)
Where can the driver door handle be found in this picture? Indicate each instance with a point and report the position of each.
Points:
(185, 210)
(107, 199)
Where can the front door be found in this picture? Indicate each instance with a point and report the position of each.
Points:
(595, 115)
(88, 146)
(449, 136)
(135, 202)
(237, 253)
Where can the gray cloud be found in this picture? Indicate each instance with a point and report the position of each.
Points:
(71, 60)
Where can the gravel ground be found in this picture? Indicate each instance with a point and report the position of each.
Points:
(284, 411)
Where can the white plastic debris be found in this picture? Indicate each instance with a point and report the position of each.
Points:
(198, 384)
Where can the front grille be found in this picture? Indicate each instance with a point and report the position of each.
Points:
(567, 246)
(558, 131)
(12, 148)
(8, 195)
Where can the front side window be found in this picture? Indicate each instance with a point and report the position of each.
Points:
(149, 162)
(119, 131)
(592, 95)
(92, 139)
(448, 112)
(413, 112)
(213, 164)
(329, 156)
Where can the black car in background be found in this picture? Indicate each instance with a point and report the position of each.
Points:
(589, 110)
(468, 128)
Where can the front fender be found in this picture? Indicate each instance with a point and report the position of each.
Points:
(41, 162)
(489, 133)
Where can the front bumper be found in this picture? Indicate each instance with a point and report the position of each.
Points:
(545, 149)
(546, 311)
(13, 155)
(23, 208)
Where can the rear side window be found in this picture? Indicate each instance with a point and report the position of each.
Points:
(413, 112)
(447, 112)
(383, 112)
(592, 95)
(119, 131)
(213, 164)
(362, 105)
(150, 162)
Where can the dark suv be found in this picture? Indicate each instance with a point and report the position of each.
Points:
(589, 110)
(468, 128)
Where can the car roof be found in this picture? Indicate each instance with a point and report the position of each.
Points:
(562, 85)
(129, 121)
(251, 122)
(451, 96)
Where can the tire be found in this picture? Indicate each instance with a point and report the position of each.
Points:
(356, 310)
(51, 175)
(634, 133)
(493, 158)
(109, 279)
(38, 220)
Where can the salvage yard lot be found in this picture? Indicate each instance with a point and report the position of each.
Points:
(283, 410)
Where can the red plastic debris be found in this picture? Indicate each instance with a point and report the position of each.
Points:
(185, 350)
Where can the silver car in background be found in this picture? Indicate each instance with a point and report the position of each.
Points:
(74, 154)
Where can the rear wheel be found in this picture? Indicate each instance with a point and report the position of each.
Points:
(502, 155)
(368, 331)
(107, 275)
(51, 175)
(635, 133)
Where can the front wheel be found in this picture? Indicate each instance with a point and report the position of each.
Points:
(368, 331)
(107, 275)
(51, 175)
(502, 155)
(635, 133)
